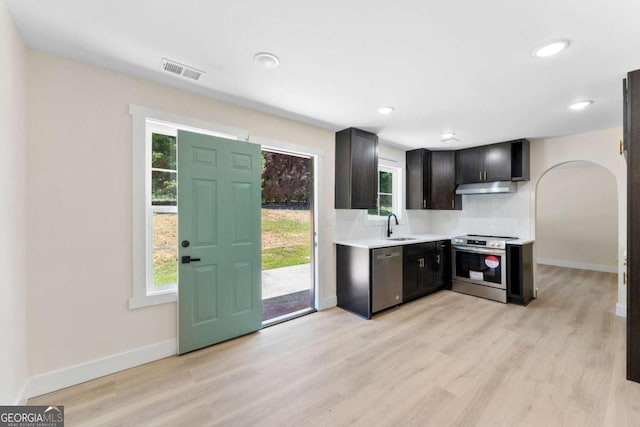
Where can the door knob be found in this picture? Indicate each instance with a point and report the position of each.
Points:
(187, 259)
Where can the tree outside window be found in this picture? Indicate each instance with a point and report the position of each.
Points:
(164, 209)
(385, 205)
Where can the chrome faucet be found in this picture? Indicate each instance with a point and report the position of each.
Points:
(389, 232)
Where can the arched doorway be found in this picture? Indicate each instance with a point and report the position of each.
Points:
(577, 217)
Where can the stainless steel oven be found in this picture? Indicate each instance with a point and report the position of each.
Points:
(480, 267)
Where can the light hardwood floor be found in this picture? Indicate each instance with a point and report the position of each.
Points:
(447, 359)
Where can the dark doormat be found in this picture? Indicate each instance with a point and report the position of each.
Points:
(285, 304)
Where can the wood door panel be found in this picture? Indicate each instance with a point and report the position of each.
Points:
(469, 165)
(205, 195)
(241, 221)
(416, 171)
(205, 294)
(219, 294)
(497, 162)
(242, 285)
(364, 157)
(443, 180)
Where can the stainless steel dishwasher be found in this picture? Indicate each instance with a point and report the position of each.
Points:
(386, 286)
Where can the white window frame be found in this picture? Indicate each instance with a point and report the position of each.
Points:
(144, 121)
(396, 195)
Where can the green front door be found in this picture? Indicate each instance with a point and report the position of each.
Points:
(219, 201)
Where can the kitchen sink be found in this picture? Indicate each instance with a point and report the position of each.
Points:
(401, 239)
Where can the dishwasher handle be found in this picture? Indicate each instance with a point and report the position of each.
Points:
(389, 255)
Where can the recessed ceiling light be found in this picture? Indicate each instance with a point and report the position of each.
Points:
(266, 59)
(579, 105)
(550, 49)
(386, 110)
(448, 137)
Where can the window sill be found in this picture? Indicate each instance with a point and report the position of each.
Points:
(154, 299)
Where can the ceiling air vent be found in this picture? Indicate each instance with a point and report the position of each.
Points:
(174, 67)
(192, 74)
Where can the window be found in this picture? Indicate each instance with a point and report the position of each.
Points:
(389, 184)
(155, 200)
(163, 208)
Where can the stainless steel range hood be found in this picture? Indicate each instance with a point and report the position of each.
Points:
(487, 188)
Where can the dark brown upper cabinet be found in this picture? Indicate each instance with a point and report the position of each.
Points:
(431, 180)
(505, 161)
(356, 185)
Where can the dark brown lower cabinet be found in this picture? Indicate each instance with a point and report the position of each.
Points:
(520, 274)
(443, 267)
(353, 280)
(426, 268)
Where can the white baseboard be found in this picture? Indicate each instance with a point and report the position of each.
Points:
(82, 372)
(327, 303)
(621, 310)
(21, 399)
(579, 265)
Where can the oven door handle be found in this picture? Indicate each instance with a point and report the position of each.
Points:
(479, 250)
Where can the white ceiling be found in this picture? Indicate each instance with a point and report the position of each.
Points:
(461, 66)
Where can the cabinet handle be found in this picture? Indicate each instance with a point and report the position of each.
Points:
(421, 263)
(438, 259)
(621, 149)
(452, 204)
(485, 175)
(424, 204)
(480, 175)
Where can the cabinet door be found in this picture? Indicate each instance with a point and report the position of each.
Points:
(410, 287)
(427, 276)
(443, 181)
(442, 265)
(417, 178)
(469, 165)
(497, 162)
(364, 170)
(356, 169)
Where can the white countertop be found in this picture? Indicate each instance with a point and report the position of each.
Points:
(381, 242)
(520, 242)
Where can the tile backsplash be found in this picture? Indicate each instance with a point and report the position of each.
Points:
(506, 214)
(496, 214)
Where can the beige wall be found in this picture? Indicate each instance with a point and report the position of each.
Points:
(13, 189)
(599, 147)
(80, 211)
(577, 217)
